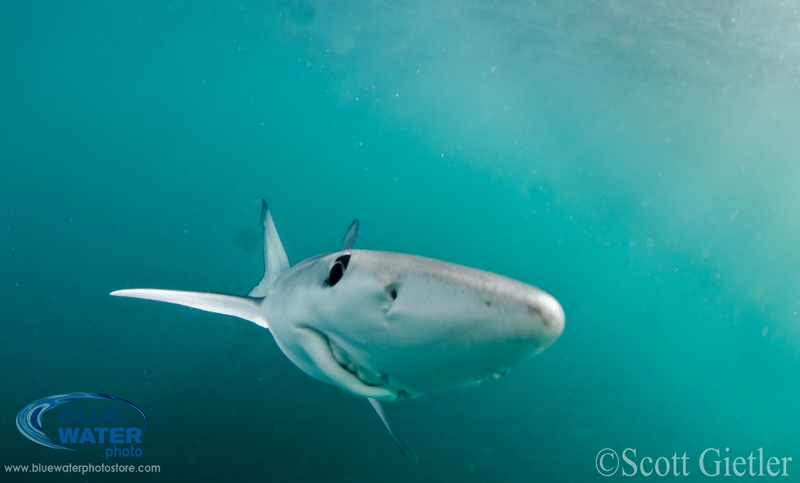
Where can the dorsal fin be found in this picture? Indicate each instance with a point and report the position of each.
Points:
(275, 260)
(350, 236)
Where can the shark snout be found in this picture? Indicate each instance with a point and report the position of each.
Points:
(549, 311)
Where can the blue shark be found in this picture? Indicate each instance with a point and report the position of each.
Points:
(386, 326)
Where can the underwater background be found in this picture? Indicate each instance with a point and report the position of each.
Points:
(639, 160)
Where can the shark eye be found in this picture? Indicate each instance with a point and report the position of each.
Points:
(337, 270)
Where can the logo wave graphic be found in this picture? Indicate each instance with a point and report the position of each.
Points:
(29, 419)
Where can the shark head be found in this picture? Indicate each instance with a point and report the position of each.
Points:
(384, 325)
(394, 325)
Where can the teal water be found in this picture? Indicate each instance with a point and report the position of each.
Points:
(640, 161)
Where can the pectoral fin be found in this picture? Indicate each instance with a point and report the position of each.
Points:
(398, 438)
(243, 307)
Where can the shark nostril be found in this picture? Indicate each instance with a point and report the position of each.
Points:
(551, 314)
(542, 314)
(392, 291)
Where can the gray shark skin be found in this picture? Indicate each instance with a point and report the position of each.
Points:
(383, 325)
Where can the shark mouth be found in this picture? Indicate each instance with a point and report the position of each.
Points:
(364, 375)
(340, 370)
